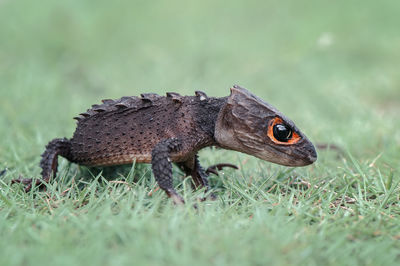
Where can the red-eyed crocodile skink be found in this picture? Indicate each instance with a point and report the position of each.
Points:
(162, 130)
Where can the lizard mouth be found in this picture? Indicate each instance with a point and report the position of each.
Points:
(301, 153)
(307, 153)
(312, 154)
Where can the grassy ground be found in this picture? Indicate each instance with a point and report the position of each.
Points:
(332, 66)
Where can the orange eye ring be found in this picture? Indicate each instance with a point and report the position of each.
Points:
(276, 121)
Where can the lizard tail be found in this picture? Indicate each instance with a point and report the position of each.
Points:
(49, 160)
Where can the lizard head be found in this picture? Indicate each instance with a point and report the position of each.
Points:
(248, 124)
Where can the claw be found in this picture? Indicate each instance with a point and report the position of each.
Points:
(211, 171)
(28, 182)
(218, 167)
(176, 198)
(211, 197)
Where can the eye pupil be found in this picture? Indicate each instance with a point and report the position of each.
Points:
(282, 133)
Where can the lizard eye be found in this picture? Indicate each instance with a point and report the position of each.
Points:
(282, 134)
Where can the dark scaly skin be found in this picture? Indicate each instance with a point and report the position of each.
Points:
(193, 168)
(114, 137)
(110, 138)
(49, 161)
(162, 167)
(163, 129)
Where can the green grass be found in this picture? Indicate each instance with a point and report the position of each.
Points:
(331, 66)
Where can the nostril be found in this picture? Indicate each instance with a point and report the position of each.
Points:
(312, 158)
(312, 153)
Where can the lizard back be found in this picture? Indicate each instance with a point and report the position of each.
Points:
(124, 130)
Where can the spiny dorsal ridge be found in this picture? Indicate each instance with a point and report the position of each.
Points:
(107, 101)
(122, 105)
(85, 114)
(125, 102)
(149, 97)
(127, 99)
(176, 97)
(202, 95)
(98, 108)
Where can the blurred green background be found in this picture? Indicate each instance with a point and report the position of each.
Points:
(331, 66)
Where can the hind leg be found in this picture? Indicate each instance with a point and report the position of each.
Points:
(48, 163)
(162, 167)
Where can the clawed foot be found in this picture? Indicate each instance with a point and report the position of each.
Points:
(211, 197)
(28, 182)
(176, 198)
(218, 167)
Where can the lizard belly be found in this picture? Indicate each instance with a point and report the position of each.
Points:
(117, 159)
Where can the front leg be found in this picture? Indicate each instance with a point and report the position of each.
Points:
(162, 167)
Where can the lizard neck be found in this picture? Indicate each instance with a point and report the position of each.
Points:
(206, 115)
